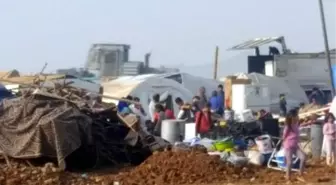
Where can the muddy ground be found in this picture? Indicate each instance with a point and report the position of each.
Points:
(165, 168)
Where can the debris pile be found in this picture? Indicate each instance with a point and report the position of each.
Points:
(183, 167)
(42, 126)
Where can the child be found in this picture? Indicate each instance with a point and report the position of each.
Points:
(291, 142)
(329, 132)
(204, 121)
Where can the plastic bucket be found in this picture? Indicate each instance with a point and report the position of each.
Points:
(223, 145)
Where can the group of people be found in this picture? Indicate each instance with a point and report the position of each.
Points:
(200, 110)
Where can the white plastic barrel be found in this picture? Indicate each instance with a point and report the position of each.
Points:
(264, 144)
(171, 130)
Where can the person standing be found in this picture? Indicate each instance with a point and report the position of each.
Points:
(329, 132)
(203, 98)
(221, 98)
(203, 121)
(195, 105)
(318, 96)
(185, 110)
(291, 142)
(283, 105)
(214, 101)
(155, 100)
(137, 109)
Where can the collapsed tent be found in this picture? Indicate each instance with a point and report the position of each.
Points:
(145, 87)
(45, 126)
(36, 127)
(291, 88)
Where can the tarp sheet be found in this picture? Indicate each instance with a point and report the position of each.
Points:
(42, 126)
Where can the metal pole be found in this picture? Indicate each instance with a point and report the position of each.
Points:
(216, 63)
(326, 45)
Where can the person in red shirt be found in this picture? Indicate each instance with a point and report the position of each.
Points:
(204, 121)
(168, 112)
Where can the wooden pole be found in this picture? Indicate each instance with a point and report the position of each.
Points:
(216, 63)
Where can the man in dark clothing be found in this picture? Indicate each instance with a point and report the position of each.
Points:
(318, 95)
(283, 105)
(203, 98)
(221, 98)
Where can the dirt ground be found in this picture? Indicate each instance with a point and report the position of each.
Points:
(166, 168)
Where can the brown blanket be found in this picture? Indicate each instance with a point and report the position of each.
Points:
(40, 125)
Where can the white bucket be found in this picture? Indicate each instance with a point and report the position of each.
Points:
(264, 144)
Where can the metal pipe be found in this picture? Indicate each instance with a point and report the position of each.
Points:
(216, 63)
(326, 45)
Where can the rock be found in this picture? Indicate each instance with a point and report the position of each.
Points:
(98, 179)
(48, 181)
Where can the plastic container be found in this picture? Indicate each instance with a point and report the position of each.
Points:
(264, 144)
(223, 145)
(171, 130)
(281, 160)
(316, 134)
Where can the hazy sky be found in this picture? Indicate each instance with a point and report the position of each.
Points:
(178, 32)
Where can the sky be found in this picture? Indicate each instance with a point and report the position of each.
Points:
(178, 33)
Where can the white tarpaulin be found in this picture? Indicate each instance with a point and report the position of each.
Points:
(144, 87)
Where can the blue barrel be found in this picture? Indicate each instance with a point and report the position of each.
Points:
(316, 135)
(333, 69)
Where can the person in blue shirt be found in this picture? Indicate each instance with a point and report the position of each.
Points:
(122, 104)
(215, 102)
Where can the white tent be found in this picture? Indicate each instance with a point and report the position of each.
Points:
(190, 82)
(193, 83)
(291, 88)
(145, 87)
